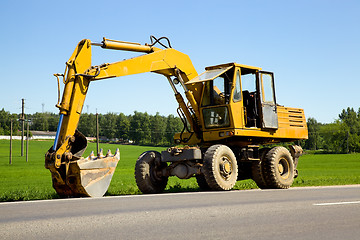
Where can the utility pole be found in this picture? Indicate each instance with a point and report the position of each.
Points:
(27, 141)
(22, 119)
(11, 130)
(347, 142)
(97, 133)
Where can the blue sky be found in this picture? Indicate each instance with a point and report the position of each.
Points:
(313, 47)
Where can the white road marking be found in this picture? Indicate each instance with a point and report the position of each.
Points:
(336, 203)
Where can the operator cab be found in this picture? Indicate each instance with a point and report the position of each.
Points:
(237, 96)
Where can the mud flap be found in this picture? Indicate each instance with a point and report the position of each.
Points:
(295, 151)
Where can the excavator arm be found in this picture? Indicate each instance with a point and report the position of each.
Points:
(168, 62)
(73, 175)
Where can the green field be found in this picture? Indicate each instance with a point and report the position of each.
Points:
(30, 180)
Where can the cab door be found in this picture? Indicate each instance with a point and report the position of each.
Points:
(268, 101)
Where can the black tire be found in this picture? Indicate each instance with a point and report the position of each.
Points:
(257, 169)
(220, 167)
(278, 168)
(147, 175)
(201, 181)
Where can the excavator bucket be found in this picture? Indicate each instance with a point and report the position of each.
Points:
(91, 176)
(85, 177)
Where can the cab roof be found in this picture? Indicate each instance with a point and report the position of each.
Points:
(225, 65)
(214, 71)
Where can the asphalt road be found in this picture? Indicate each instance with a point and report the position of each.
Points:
(297, 213)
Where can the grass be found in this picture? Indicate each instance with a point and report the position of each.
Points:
(30, 180)
(328, 169)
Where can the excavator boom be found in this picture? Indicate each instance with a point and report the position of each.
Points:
(76, 176)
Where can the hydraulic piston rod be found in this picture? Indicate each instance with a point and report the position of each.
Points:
(125, 46)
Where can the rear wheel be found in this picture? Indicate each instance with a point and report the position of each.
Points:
(278, 168)
(257, 169)
(220, 167)
(201, 181)
(148, 173)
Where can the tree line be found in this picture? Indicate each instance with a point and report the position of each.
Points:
(340, 136)
(138, 128)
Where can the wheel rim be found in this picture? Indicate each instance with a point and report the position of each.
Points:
(225, 168)
(154, 172)
(284, 168)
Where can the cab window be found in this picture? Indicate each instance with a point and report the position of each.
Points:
(237, 90)
(249, 81)
(268, 93)
(217, 91)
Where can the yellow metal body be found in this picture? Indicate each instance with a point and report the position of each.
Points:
(74, 96)
(291, 124)
(291, 121)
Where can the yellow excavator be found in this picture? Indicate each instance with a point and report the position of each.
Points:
(230, 116)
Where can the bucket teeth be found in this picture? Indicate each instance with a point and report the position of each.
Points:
(109, 154)
(117, 154)
(91, 156)
(101, 154)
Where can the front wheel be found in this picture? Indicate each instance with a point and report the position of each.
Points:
(148, 173)
(220, 167)
(278, 168)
